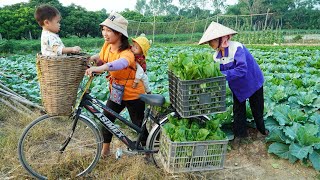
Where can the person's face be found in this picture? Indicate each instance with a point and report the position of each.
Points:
(110, 36)
(53, 25)
(136, 49)
(214, 43)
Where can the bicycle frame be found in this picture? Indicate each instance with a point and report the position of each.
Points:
(90, 103)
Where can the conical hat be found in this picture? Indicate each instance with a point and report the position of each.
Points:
(214, 31)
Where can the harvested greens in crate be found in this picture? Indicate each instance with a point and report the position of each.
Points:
(196, 85)
(187, 145)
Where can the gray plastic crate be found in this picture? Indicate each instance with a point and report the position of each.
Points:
(192, 156)
(197, 97)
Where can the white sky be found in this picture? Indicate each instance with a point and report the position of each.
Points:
(95, 5)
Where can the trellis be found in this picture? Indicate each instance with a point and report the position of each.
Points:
(189, 30)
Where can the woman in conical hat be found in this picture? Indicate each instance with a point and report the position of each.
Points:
(243, 74)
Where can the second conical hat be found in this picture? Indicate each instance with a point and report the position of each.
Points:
(214, 31)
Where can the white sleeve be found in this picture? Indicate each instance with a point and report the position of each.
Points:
(139, 73)
(145, 81)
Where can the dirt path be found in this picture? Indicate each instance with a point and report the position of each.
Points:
(250, 161)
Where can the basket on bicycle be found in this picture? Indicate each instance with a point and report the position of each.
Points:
(59, 78)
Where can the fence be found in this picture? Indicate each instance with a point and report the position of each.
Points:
(263, 28)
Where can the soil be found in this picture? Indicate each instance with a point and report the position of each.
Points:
(249, 161)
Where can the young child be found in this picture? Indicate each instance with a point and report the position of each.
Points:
(140, 48)
(48, 17)
(243, 74)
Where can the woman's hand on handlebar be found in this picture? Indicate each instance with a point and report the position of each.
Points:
(96, 69)
(89, 71)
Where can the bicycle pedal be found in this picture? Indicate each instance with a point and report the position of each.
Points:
(119, 153)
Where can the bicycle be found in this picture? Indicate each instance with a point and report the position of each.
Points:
(56, 142)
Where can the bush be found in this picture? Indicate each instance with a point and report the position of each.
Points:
(6, 46)
(297, 38)
(33, 46)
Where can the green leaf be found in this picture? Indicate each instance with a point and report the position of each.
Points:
(306, 99)
(314, 157)
(202, 134)
(291, 131)
(271, 123)
(180, 134)
(315, 118)
(300, 151)
(281, 150)
(275, 165)
(280, 114)
(306, 135)
(316, 103)
(277, 135)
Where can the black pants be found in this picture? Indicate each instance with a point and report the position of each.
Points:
(239, 113)
(136, 111)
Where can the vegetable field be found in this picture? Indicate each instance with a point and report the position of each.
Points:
(291, 89)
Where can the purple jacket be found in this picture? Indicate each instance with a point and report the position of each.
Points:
(242, 72)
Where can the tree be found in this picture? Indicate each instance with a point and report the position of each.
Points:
(17, 22)
(141, 6)
(280, 7)
(34, 3)
(132, 15)
(159, 7)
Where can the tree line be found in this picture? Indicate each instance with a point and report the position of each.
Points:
(17, 21)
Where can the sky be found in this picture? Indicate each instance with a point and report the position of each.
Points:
(95, 5)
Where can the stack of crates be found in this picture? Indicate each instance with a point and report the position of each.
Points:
(192, 98)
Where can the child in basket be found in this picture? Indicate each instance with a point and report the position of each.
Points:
(48, 17)
(140, 49)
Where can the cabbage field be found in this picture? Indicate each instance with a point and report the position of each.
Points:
(291, 90)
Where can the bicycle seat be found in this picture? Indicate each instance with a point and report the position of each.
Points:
(152, 99)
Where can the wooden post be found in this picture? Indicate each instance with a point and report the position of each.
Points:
(194, 24)
(30, 36)
(236, 22)
(251, 22)
(205, 27)
(154, 27)
(265, 23)
(175, 31)
(217, 19)
(138, 28)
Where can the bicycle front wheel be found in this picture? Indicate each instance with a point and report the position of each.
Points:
(40, 144)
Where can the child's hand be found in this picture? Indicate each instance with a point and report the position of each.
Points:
(76, 49)
(134, 85)
(89, 71)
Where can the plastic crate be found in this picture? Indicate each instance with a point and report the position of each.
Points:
(192, 156)
(197, 97)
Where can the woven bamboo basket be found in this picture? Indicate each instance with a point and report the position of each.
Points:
(59, 78)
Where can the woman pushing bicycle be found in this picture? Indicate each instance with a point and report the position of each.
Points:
(117, 58)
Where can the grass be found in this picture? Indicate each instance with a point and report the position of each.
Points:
(11, 126)
(128, 167)
(135, 167)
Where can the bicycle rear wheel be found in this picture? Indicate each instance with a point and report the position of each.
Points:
(153, 141)
(39, 147)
